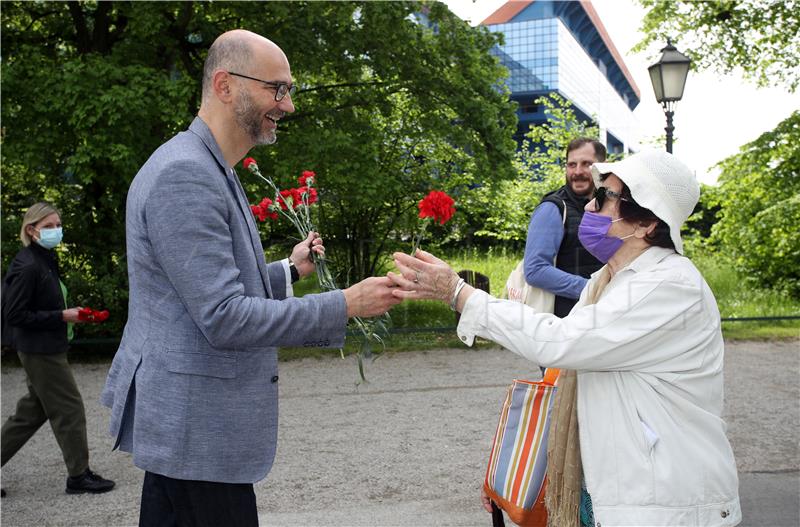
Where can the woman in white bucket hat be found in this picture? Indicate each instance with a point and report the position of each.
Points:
(641, 355)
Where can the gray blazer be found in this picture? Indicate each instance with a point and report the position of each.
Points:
(193, 387)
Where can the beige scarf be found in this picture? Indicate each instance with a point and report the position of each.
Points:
(564, 469)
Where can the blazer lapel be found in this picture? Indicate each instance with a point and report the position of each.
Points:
(255, 239)
(200, 128)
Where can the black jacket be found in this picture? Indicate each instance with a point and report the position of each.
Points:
(572, 256)
(33, 303)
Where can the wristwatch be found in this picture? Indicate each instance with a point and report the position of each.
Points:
(295, 274)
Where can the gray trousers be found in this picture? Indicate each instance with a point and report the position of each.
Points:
(52, 395)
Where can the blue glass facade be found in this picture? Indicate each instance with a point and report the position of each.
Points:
(530, 52)
(555, 46)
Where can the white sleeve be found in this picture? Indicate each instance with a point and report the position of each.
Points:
(645, 324)
(289, 288)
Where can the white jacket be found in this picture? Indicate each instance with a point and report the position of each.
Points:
(650, 392)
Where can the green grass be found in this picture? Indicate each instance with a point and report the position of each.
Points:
(737, 298)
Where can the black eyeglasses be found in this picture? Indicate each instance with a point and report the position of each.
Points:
(600, 195)
(281, 88)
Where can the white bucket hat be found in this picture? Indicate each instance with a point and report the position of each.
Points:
(658, 181)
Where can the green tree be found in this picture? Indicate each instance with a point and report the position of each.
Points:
(758, 36)
(501, 210)
(396, 97)
(757, 205)
(759, 196)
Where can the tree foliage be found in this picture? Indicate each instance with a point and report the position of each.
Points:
(758, 36)
(757, 204)
(395, 98)
(759, 200)
(501, 210)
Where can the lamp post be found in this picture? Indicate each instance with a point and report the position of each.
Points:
(668, 76)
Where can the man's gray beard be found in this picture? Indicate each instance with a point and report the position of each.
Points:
(249, 119)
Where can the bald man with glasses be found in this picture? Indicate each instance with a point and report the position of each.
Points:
(193, 388)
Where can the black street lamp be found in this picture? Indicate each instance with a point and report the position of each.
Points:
(668, 76)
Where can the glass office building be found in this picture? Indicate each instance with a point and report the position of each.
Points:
(561, 46)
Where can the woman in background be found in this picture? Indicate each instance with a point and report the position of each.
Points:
(39, 326)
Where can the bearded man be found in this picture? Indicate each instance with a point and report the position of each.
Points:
(193, 388)
(553, 230)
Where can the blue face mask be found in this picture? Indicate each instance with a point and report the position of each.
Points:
(50, 238)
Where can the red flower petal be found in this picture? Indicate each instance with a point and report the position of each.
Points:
(249, 161)
(307, 179)
(286, 195)
(437, 205)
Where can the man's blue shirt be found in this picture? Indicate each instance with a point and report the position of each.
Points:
(545, 232)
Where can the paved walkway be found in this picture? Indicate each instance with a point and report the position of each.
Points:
(408, 449)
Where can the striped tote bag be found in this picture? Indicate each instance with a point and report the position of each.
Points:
(515, 477)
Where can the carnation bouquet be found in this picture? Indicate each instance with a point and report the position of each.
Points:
(294, 205)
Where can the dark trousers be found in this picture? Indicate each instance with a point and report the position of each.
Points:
(52, 396)
(169, 502)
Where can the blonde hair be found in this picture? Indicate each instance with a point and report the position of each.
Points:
(36, 213)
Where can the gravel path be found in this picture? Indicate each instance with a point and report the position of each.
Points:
(407, 449)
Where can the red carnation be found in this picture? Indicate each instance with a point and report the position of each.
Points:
(310, 192)
(290, 195)
(259, 212)
(307, 179)
(264, 210)
(87, 314)
(269, 212)
(249, 161)
(437, 205)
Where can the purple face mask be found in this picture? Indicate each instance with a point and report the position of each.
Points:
(593, 234)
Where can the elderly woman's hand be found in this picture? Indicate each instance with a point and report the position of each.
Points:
(423, 277)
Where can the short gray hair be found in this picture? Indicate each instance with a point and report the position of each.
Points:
(230, 53)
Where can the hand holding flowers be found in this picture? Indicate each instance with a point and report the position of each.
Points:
(87, 314)
(303, 254)
(369, 298)
(426, 277)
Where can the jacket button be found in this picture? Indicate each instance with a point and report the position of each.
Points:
(724, 514)
(274, 378)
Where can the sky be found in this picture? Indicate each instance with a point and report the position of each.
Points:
(717, 114)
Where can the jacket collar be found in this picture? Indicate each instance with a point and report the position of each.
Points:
(648, 259)
(48, 255)
(201, 129)
(579, 201)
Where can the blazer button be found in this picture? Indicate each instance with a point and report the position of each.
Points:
(724, 514)
(274, 379)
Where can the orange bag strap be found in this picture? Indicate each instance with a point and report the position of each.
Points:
(551, 375)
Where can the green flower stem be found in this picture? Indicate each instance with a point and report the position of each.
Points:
(419, 235)
(302, 222)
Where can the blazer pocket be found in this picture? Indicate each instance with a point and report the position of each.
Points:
(220, 364)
